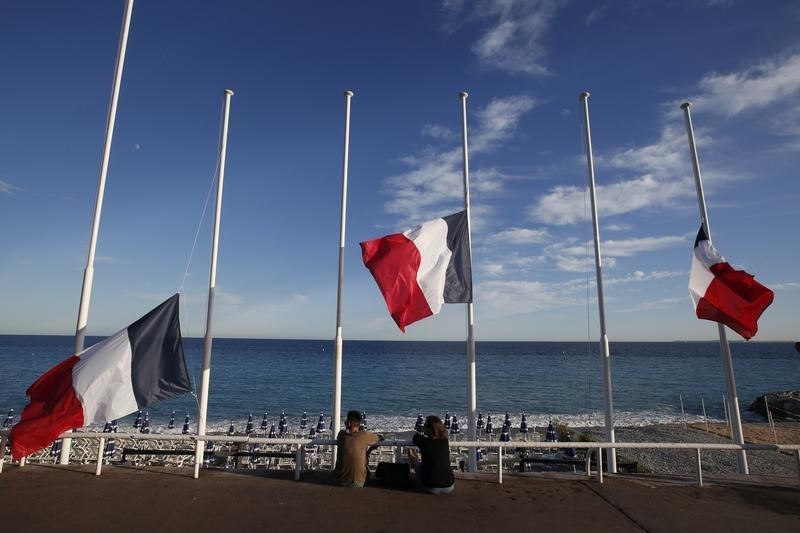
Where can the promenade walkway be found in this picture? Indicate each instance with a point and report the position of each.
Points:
(71, 498)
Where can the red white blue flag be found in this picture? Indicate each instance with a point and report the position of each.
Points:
(420, 269)
(723, 294)
(128, 371)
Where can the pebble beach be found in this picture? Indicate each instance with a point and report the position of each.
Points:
(682, 462)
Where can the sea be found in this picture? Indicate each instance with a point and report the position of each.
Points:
(392, 382)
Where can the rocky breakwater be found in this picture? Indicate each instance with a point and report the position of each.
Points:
(782, 405)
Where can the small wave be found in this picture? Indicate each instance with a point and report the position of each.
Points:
(400, 423)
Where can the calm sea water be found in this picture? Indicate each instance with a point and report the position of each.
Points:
(393, 381)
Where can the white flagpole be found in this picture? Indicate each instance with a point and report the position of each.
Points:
(337, 357)
(611, 453)
(727, 361)
(472, 400)
(88, 272)
(212, 286)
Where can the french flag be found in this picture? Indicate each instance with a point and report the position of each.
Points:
(724, 295)
(131, 370)
(422, 268)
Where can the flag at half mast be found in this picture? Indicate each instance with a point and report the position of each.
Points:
(420, 269)
(725, 295)
(130, 370)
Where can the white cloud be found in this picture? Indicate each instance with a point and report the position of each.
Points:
(665, 177)
(8, 188)
(493, 269)
(481, 216)
(596, 14)
(791, 285)
(753, 88)
(668, 154)
(788, 121)
(454, 17)
(435, 178)
(656, 304)
(629, 247)
(638, 276)
(498, 120)
(484, 180)
(663, 172)
(622, 248)
(506, 298)
(436, 131)
(616, 227)
(565, 204)
(512, 40)
(237, 314)
(515, 297)
(576, 258)
(512, 265)
(518, 236)
(572, 263)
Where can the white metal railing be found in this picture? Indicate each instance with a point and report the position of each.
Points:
(302, 443)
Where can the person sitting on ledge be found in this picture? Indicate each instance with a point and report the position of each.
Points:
(432, 472)
(352, 450)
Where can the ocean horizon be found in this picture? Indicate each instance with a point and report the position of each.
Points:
(393, 381)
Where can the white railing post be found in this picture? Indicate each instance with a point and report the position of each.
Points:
(100, 450)
(600, 464)
(699, 469)
(298, 462)
(500, 464)
(588, 462)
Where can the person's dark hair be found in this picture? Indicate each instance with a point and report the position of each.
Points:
(354, 416)
(436, 426)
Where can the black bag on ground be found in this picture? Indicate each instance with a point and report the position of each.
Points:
(393, 475)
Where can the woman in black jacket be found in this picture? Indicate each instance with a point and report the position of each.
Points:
(433, 472)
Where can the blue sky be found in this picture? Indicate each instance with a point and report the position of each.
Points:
(523, 63)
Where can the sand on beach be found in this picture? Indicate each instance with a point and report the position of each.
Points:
(758, 433)
(682, 462)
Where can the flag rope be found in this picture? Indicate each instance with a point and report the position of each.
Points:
(181, 289)
(213, 181)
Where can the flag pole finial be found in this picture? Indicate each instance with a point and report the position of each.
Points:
(686, 105)
(584, 95)
(463, 94)
(349, 93)
(229, 92)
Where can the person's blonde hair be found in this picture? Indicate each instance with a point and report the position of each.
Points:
(436, 426)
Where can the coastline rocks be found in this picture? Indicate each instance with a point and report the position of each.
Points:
(782, 405)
